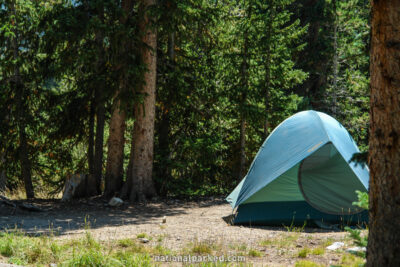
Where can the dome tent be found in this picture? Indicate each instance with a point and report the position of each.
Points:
(302, 173)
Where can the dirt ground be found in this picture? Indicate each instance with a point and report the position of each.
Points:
(187, 223)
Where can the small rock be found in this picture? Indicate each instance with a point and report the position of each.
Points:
(144, 240)
(115, 202)
(335, 246)
(178, 238)
(164, 219)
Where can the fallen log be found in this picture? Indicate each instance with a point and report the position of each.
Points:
(24, 206)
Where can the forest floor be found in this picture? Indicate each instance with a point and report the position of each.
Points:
(191, 228)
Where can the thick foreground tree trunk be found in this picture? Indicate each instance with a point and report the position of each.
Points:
(143, 130)
(384, 145)
(115, 156)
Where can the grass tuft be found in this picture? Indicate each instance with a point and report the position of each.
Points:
(352, 260)
(318, 251)
(142, 235)
(202, 248)
(304, 263)
(303, 253)
(254, 253)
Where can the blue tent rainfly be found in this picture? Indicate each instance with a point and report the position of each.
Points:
(302, 173)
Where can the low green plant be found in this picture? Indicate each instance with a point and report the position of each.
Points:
(318, 251)
(303, 253)
(202, 248)
(293, 228)
(254, 253)
(142, 235)
(126, 242)
(352, 260)
(284, 240)
(304, 263)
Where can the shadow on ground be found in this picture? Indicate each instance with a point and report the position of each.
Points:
(61, 218)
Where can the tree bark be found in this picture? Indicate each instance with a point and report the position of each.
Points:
(143, 130)
(164, 128)
(127, 187)
(3, 177)
(115, 156)
(268, 72)
(242, 148)
(266, 93)
(335, 61)
(23, 151)
(99, 143)
(91, 137)
(244, 85)
(384, 145)
(94, 181)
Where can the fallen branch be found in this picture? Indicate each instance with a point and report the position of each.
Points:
(23, 206)
(7, 202)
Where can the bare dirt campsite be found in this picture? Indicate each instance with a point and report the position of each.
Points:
(175, 228)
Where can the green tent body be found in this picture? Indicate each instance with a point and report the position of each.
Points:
(302, 174)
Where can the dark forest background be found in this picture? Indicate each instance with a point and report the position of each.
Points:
(227, 73)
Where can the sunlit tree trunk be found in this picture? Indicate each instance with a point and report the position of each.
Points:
(116, 141)
(143, 132)
(115, 156)
(384, 145)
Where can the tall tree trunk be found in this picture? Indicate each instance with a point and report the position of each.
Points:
(315, 58)
(127, 187)
(335, 61)
(116, 141)
(23, 151)
(384, 145)
(268, 72)
(99, 143)
(242, 148)
(94, 181)
(164, 129)
(143, 130)
(244, 85)
(115, 156)
(25, 162)
(91, 137)
(266, 93)
(3, 178)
